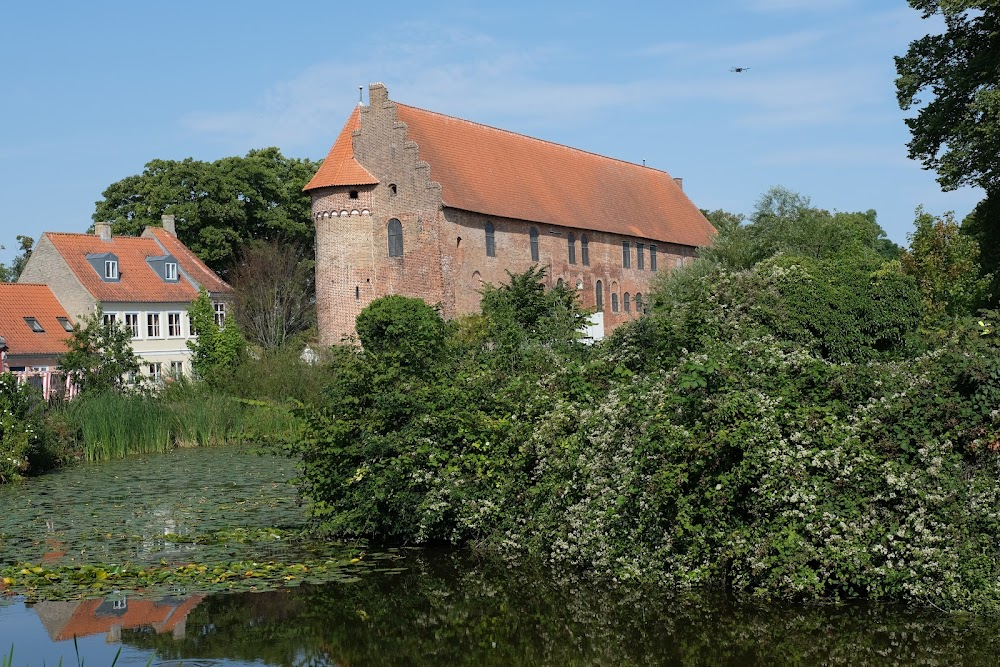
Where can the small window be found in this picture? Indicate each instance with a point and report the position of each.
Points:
(34, 324)
(220, 313)
(571, 240)
(640, 256)
(357, 293)
(65, 323)
(353, 194)
(174, 328)
(628, 303)
(153, 325)
(534, 244)
(614, 302)
(170, 271)
(155, 372)
(626, 255)
(652, 257)
(392, 189)
(109, 319)
(395, 238)
(585, 250)
(559, 283)
(638, 303)
(176, 369)
(111, 269)
(599, 295)
(132, 324)
(491, 243)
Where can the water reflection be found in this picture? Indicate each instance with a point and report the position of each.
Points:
(110, 615)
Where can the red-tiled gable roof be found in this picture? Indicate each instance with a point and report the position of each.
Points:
(20, 300)
(188, 261)
(138, 281)
(509, 175)
(340, 167)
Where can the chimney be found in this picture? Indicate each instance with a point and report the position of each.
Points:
(168, 224)
(679, 182)
(103, 230)
(378, 94)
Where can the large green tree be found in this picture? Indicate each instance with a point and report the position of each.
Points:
(217, 205)
(10, 273)
(956, 130)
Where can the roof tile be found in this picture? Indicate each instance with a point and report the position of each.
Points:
(340, 167)
(20, 300)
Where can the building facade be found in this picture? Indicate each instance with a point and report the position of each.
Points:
(422, 204)
(145, 282)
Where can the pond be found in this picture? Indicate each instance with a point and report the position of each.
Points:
(395, 607)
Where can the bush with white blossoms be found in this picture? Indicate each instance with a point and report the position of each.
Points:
(18, 427)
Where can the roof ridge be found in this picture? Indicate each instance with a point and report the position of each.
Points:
(526, 136)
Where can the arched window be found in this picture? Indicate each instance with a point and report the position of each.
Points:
(614, 302)
(638, 302)
(585, 250)
(395, 238)
(628, 303)
(559, 283)
(599, 295)
(534, 244)
(571, 239)
(491, 243)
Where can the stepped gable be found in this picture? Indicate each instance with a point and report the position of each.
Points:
(340, 167)
(20, 300)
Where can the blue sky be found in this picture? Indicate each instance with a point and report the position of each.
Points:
(93, 91)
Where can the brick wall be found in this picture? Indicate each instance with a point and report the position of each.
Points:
(46, 266)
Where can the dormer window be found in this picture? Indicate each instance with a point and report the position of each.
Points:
(165, 266)
(111, 269)
(65, 323)
(34, 324)
(105, 265)
(170, 271)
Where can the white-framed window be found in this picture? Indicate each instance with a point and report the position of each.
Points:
(170, 270)
(220, 313)
(111, 269)
(176, 369)
(155, 371)
(153, 325)
(132, 324)
(34, 324)
(174, 325)
(109, 319)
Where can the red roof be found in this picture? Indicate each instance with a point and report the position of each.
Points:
(501, 173)
(340, 167)
(138, 281)
(20, 300)
(188, 261)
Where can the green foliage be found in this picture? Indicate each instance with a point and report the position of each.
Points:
(401, 331)
(100, 357)
(945, 265)
(955, 131)
(114, 425)
(10, 274)
(983, 226)
(20, 427)
(216, 348)
(217, 205)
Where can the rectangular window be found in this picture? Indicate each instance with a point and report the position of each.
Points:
(34, 324)
(652, 257)
(572, 248)
(64, 322)
(626, 255)
(111, 269)
(220, 313)
(109, 319)
(153, 325)
(155, 372)
(170, 271)
(174, 329)
(585, 250)
(132, 323)
(640, 256)
(176, 369)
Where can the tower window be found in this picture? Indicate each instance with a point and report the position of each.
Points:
(353, 194)
(599, 295)
(491, 244)
(395, 238)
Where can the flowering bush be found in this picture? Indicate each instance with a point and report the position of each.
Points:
(19, 430)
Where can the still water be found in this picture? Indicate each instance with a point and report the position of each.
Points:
(416, 607)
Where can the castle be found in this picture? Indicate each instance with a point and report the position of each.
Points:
(426, 205)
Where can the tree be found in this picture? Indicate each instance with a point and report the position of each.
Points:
(982, 225)
(10, 274)
(275, 292)
(217, 348)
(100, 357)
(217, 205)
(402, 332)
(946, 268)
(525, 308)
(956, 132)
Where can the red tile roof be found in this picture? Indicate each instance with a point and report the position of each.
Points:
(138, 281)
(20, 300)
(188, 261)
(501, 173)
(340, 167)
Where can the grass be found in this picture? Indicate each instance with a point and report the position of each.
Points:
(8, 660)
(114, 426)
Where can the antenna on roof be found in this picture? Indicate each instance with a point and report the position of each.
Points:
(361, 93)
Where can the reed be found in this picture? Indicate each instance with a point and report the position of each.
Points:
(114, 426)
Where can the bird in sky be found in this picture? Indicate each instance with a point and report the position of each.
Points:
(738, 70)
